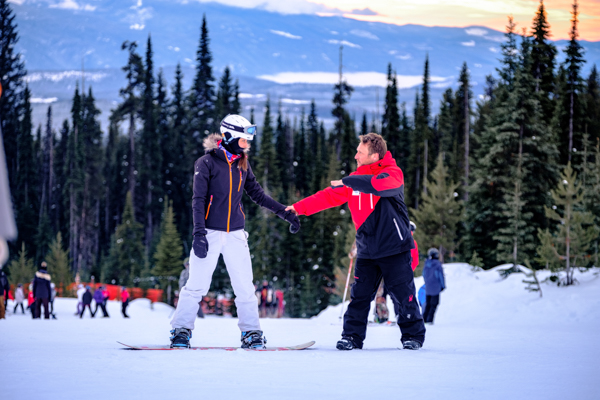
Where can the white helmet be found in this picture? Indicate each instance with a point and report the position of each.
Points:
(235, 126)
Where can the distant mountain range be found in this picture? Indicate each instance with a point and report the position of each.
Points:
(290, 57)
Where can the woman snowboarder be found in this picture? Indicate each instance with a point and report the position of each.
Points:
(219, 177)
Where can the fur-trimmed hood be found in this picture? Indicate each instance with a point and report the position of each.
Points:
(211, 142)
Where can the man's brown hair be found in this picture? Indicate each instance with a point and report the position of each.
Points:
(376, 144)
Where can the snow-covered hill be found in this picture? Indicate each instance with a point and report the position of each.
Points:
(491, 340)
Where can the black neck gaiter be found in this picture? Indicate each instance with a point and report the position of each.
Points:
(233, 147)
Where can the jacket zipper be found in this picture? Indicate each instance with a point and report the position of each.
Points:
(209, 204)
(371, 200)
(230, 190)
(242, 211)
(240, 185)
(358, 201)
(398, 228)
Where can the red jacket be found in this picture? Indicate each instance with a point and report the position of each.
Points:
(375, 196)
(124, 295)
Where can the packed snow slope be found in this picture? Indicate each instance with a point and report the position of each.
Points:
(491, 340)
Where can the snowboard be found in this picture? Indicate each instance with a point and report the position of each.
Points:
(226, 348)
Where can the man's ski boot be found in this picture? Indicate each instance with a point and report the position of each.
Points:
(253, 340)
(411, 344)
(347, 343)
(181, 338)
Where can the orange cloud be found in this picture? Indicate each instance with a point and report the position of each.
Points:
(460, 13)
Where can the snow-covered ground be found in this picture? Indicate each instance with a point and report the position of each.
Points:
(491, 340)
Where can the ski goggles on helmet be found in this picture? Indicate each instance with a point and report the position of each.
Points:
(246, 132)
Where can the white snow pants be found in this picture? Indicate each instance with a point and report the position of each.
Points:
(236, 254)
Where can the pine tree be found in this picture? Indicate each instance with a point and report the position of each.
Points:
(58, 264)
(21, 269)
(61, 192)
(169, 251)
(566, 249)
(592, 101)
(26, 193)
(416, 173)
(440, 212)
(516, 118)
(182, 164)
(569, 114)
(301, 158)
(390, 123)
(266, 166)
(12, 74)
(90, 137)
(227, 97)
(283, 147)
(150, 151)
(543, 55)
(463, 124)
(341, 95)
(202, 95)
(130, 108)
(126, 258)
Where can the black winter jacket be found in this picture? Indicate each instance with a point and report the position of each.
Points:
(41, 285)
(218, 184)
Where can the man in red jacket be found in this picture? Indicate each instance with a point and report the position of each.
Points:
(375, 196)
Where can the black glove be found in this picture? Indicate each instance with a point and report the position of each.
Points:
(200, 246)
(292, 218)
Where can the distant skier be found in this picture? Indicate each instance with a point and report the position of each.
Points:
(86, 302)
(19, 299)
(80, 292)
(42, 291)
(124, 301)
(435, 283)
(375, 196)
(219, 219)
(100, 302)
(4, 288)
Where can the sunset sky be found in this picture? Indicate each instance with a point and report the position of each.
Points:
(490, 13)
(458, 13)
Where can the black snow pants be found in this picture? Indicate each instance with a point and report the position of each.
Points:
(38, 308)
(431, 304)
(399, 280)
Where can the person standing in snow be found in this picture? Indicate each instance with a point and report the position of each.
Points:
(219, 219)
(375, 196)
(433, 274)
(42, 291)
(124, 301)
(99, 299)
(80, 292)
(19, 299)
(87, 302)
(4, 288)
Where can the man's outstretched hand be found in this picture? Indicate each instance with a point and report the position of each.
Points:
(291, 216)
(292, 209)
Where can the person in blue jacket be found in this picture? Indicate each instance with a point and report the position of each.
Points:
(434, 284)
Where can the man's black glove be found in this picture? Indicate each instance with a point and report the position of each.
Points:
(292, 218)
(200, 246)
